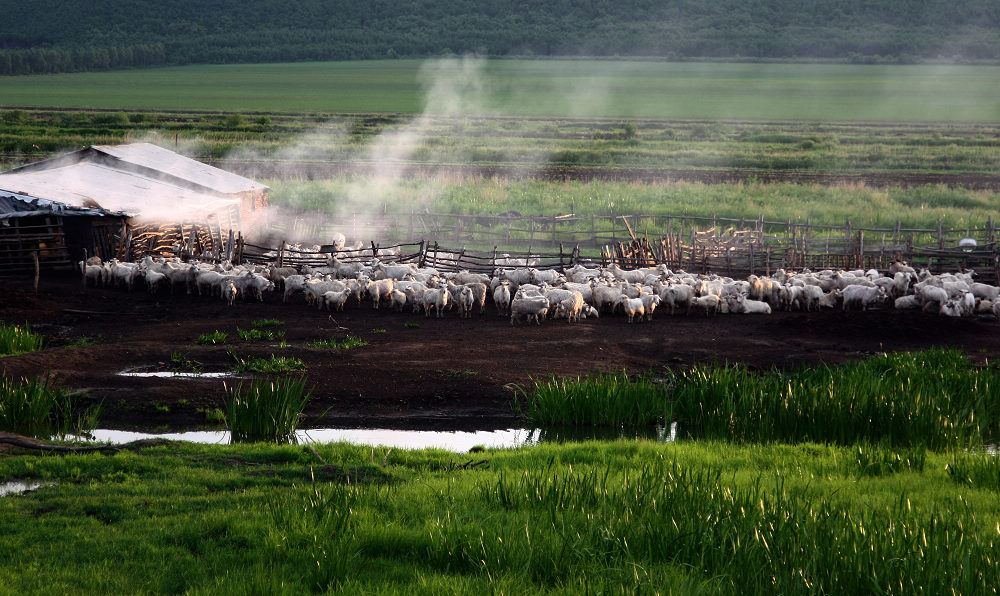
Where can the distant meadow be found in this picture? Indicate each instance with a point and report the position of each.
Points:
(569, 88)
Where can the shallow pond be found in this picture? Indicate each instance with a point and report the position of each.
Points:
(16, 487)
(457, 440)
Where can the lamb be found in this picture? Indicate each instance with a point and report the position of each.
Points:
(229, 291)
(466, 300)
(633, 307)
(397, 300)
(534, 307)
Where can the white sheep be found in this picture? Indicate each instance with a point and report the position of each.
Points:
(436, 298)
(336, 299)
(228, 291)
(466, 300)
(397, 300)
(857, 295)
(534, 307)
(570, 307)
(501, 298)
(742, 304)
(633, 307)
(649, 304)
(711, 304)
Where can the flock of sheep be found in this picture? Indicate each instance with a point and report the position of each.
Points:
(573, 294)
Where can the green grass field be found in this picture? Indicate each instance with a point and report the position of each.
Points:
(574, 88)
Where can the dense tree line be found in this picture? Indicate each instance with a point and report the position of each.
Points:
(62, 35)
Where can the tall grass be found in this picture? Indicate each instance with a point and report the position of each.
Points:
(740, 537)
(935, 398)
(265, 411)
(15, 339)
(38, 407)
(608, 400)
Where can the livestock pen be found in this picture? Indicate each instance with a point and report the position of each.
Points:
(730, 246)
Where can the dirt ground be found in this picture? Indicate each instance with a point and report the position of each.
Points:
(445, 373)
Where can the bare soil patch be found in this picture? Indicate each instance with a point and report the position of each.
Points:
(447, 373)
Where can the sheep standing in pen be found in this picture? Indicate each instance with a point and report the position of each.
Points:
(632, 307)
(436, 298)
(570, 307)
(501, 298)
(533, 307)
(336, 299)
(466, 300)
(229, 291)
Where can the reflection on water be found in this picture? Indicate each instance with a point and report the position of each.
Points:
(458, 441)
(16, 487)
(167, 374)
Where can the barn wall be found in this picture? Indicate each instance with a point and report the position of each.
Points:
(23, 237)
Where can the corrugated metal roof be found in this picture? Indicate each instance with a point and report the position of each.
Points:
(90, 184)
(157, 158)
(19, 205)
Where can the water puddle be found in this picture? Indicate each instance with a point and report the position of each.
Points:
(169, 374)
(17, 487)
(458, 441)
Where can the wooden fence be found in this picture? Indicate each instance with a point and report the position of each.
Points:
(729, 246)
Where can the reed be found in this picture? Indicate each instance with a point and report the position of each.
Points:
(935, 398)
(976, 470)
(16, 339)
(264, 411)
(38, 407)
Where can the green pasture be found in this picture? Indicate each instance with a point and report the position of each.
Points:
(631, 517)
(919, 207)
(569, 88)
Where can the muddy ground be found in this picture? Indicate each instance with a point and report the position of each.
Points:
(444, 374)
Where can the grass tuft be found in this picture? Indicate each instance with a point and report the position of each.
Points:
(272, 365)
(258, 323)
(257, 334)
(15, 339)
(339, 344)
(211, 339)
(264, 411)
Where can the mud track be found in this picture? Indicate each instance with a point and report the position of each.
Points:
(446, 373)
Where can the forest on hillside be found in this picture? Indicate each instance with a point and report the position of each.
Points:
(45, 36)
